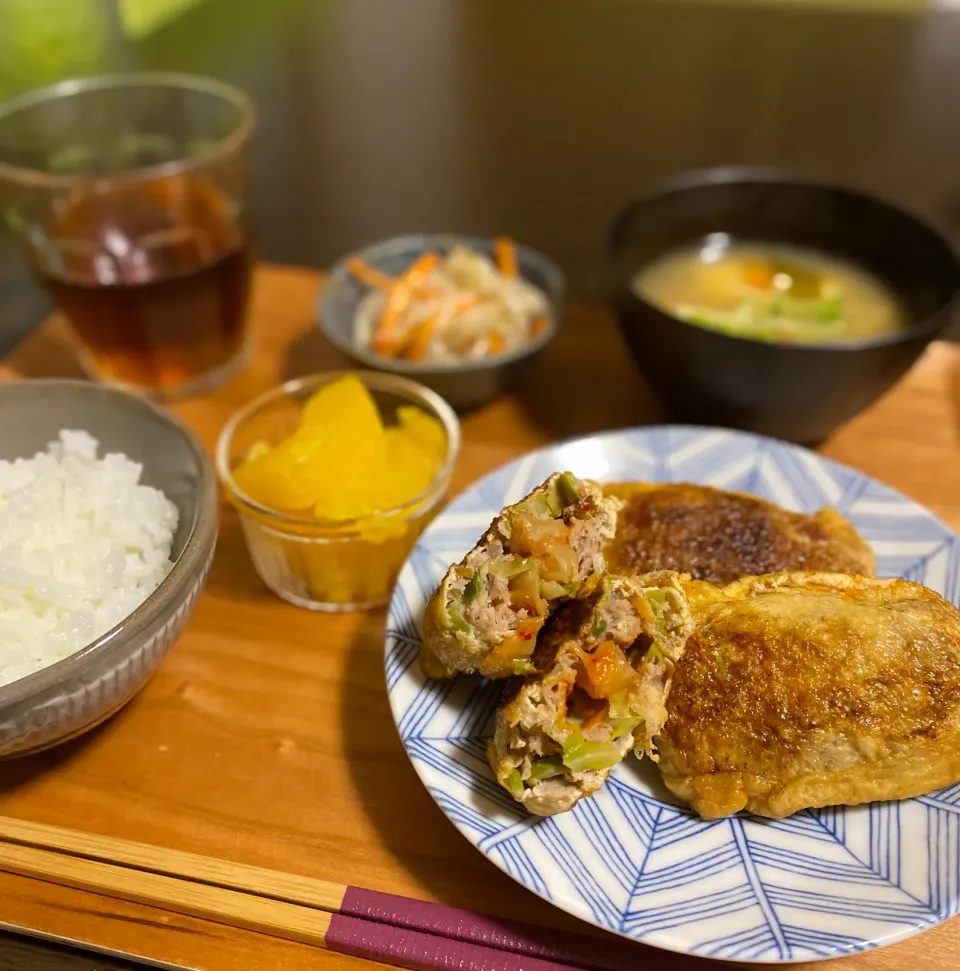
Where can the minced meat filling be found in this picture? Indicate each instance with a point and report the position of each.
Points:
(491, 611)
(602, 695)
(587, 540)
(492, 595)
(543, 713)
(619, 620)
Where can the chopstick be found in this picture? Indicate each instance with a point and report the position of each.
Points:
(347, 935)
(369, 923)
(183, 896)
(262, 882)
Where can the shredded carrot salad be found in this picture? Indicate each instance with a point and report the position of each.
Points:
(447, 308)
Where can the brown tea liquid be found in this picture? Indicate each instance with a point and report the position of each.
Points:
(154, 278)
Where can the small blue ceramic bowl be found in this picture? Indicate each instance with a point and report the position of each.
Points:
(464, 384)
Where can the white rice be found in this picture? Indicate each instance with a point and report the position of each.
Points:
(82, 545)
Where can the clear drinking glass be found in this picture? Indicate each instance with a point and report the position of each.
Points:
(130, 193)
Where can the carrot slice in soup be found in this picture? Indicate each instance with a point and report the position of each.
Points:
(758, 275)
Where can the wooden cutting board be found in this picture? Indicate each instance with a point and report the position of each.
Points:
(266, 737)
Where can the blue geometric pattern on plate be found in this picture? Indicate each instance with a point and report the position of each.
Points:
(820, 884)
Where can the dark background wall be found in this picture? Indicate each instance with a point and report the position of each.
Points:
(540, 118)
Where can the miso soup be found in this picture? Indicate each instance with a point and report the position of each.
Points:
(771, 291)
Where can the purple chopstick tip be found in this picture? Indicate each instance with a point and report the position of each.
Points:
(420, 951)
(543, 943)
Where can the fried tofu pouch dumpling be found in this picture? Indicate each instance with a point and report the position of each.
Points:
(602, 673)
(539, 553)
(721, 536)
(806, 690)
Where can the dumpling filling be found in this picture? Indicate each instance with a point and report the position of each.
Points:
(602, 677)
(539, 553)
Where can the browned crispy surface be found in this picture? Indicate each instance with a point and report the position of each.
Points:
(720, 536)
(810, 690)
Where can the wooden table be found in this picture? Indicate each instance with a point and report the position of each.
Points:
(266, 737)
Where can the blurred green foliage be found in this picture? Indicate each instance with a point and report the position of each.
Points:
(45, 40)
(141, 17)
(42, 41)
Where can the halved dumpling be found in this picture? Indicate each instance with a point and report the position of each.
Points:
(602, 674)
(546, 549)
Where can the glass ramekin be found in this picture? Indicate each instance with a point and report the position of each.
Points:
(322, 564)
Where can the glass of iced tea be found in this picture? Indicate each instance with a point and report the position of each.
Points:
(130, 193)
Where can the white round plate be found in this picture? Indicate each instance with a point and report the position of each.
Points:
(819, 884)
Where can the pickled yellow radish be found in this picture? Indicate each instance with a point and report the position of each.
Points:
(423, 429)
(341, 463)
(343, 406)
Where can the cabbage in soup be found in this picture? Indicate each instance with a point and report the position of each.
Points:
(771, 292)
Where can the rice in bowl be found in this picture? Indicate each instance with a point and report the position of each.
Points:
(82, 544)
